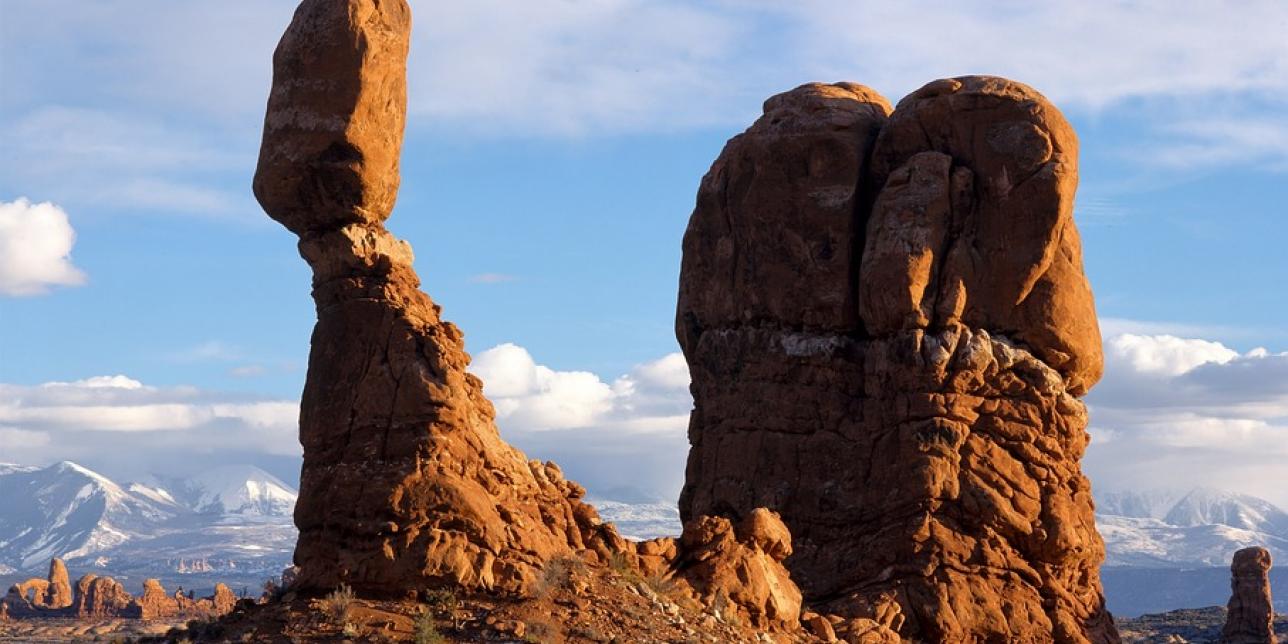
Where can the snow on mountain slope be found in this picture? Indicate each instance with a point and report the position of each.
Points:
(640, 521)
(242, 490)
(1205, 506)
(235, 518)
(10, 468)
(1203, 527)
(66, 510)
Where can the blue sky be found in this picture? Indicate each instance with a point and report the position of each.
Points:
(553, 153)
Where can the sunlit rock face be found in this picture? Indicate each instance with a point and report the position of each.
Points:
(1251, 615)
(888, 329)
(406, 484)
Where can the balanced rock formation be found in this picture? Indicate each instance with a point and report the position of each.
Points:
(888, 327)
(1251, 615)
(406, 484)
(101, 597)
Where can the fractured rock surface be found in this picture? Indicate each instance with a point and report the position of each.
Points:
(1250, 615)
(406, 484)
(887, 326)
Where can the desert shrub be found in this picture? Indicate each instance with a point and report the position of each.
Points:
(443, 602)
(660, 585)
(337, 603)
(350, 630)
(558, 573)
(620, 563)
(426, 631)
(539, 632)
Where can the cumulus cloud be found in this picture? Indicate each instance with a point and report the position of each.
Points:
(528, 396)
(1180, 412)
(118, 421)
(622, 439)
(35, 248)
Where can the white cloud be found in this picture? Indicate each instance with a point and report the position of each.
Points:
(35, 248)
(528, 396)
(622, 439)
(247, 371)
(131, 161)
(1180, 412)
(1166, 355)
(105, 415)
(562, 67)
(22, 439)
(491, 278)
(1080, 54)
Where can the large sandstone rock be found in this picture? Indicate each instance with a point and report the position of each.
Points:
(33, 591)
(223, 600)
(59, 592)
(919, 429)
(738, 569)
(154, 603)
(778, 208)
(1251, 615)
(973, 223)
(406, 484)
(101, 597)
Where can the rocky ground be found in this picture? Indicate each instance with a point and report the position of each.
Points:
(575, 603)
(77, 630)
(1185, 625)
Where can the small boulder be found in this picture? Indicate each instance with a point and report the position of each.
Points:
(738, 569)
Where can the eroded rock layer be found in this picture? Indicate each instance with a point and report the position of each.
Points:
(406, 484)
(887, 326)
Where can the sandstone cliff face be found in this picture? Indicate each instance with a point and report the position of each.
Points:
(1251, 615)
(406, 484)
(887, 348)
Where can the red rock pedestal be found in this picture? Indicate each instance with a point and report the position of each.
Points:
(888, 328)
(1251, 615)
(406, 484)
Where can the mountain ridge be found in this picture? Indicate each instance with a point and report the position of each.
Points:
(229, 518)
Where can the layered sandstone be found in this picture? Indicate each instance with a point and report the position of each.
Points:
(888, 328)
(406, 484)
(1250, 617)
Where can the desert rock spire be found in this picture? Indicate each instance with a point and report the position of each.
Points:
(888, 327)
(406, 484)
(1251, 615)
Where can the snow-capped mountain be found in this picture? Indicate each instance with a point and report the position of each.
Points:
(66, 510)
(231, 518)
(242, 490)
(1202, 527)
